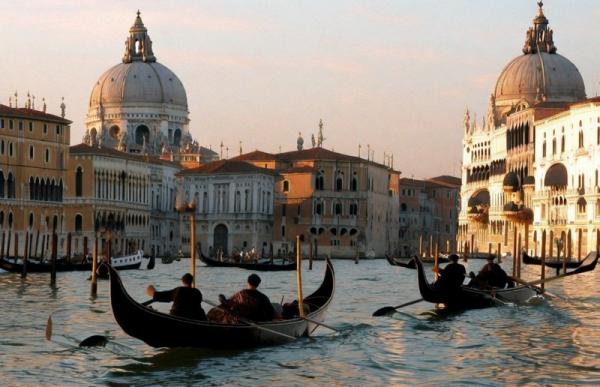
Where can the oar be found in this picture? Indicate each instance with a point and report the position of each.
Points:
(319, 323)
(254, 325)
(579, 270)
(146, 303)
(389, 309)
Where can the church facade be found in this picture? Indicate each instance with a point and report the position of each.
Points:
(529, 167)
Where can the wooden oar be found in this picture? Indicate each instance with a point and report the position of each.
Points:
(579, 270)
(252, 324)
(319, 323)
(389, 309)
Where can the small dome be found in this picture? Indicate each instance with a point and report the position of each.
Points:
(556, 176)
(511, 182)
(138, 82)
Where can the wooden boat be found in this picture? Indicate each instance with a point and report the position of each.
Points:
(471, 298)
(128, 262)
(261, 266)
(555, 263)
(43, 266)
(407, 262)
(159, 329)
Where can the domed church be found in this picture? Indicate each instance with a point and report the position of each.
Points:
(528, 128)
(139, 105)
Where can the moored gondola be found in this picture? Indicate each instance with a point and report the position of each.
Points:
(556, 263)
(471, 298)
(43, 266)
(159, 329)
(408, 262)
(261, 266)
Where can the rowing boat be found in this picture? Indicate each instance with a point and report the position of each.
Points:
(159, 329)
(555, 263)
(260, 266)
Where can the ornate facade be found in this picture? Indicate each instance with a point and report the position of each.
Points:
(505, 158)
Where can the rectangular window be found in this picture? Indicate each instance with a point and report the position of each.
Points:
(11, 124)
(283, 210)
(2, 124)
(57, 129)
(20, 125)
(30, 126)
(45, 128)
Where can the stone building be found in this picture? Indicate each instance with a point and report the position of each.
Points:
(234, 206)
(428, 213)
(34, 146)
(343, 205)
(500, 154)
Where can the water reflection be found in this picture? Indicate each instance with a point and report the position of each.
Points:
(556, 342)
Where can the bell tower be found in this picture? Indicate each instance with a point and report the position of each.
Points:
(138, 46)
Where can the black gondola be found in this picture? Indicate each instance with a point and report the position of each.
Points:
(44, 266)
(159, 329)
(408, 263)
(555, 263)
(250, 266)
(472, 298)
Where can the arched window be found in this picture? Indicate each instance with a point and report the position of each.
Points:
(31, 189)
(30, 220)
(581, 138)
(177, 137)
(318, 208)
(78, 223)
(10, 193)
(2, 218)
(354, 183)
(553, 146)
(544, 149)
(142, 132)
(319, 181)
(286, 186)
(10, 220)
(337, 209)
(1, 184)
(339, 181)
(31, 152)
(403, 207)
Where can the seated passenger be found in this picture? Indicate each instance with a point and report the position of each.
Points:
(248, 304)
(186, 299)
(451, 276)
(491, 275)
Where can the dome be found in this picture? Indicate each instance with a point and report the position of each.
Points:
(511, 182)
(541, 76)
(140, 79)
(138, 82)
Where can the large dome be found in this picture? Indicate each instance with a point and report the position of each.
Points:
(531, 76)
(539, 75)
(138, 83)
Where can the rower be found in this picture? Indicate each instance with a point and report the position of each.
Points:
(451, 276)
(186, 299)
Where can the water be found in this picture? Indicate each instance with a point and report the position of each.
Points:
(557, 342)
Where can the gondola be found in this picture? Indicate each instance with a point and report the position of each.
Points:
(249, 266)
(471, 298)
(408, 263)
(159, 329)
(43, 266)
(555, 263)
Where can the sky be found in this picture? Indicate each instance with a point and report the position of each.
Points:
(393, 75)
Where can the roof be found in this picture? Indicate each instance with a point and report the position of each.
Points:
(84, 149)
(255, 156)
(305, 169)
(32, 114)
(227, 167)
(452, 181)
(443, 181)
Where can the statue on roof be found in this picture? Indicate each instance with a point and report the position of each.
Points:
(86, 137)
(300, 142)
(62, 108)
(320, 137)
(312, 140)
(467, 121)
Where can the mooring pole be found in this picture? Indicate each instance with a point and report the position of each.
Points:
(25, 253)
(53, 259)
(543, 273)
(94, 285)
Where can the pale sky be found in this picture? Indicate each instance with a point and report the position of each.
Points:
(393, 74)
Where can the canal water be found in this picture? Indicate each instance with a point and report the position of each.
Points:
(557, 342)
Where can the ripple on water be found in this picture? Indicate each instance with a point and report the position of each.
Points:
(556, 342)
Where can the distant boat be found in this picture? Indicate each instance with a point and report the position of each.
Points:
(126, 262)
(259, 266)
(555, 263)
(34, 266)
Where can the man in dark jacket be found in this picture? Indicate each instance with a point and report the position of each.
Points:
(186, 299)
(451, 276)
(492, 275)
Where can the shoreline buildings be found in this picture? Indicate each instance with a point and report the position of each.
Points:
(532, 166)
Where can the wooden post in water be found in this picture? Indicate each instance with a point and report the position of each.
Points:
(69, 240)
(193, 244)
(499, 252)
(490, 248)
(472, 244)
(53, 259)
(2, 247)
(37, 239)
(421, 245)
(16, 246)
(550, 243)
(94, 286)
(436, 260)
(526, 247)
(518, 257)
(310, 254)
(543, 273)
(85, 246)
(579, 236)
(43, 250)
(299, 277)
(25, 253)
(514, 269)
(8, 246)
(569, 248)
(430, 255)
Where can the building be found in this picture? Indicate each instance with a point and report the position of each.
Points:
(234, 206)
(428, 213)
(340, 205)
(34, 146)
(531, 166)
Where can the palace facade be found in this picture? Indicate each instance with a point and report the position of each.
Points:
(531, 166)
